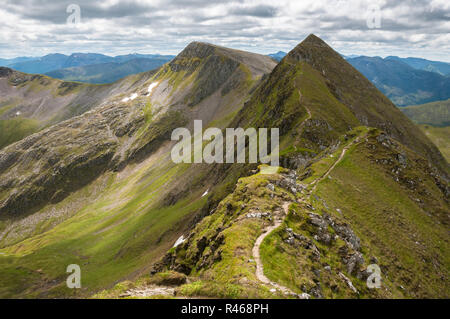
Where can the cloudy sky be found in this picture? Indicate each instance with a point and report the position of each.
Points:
(386, 27)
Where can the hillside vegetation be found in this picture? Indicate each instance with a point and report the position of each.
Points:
(434, 113)
(440, 136)
(358, 184)
(30, 103)
(434, 120)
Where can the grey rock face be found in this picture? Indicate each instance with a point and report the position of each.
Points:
(289, 182)
(355, 260)
(345, 232)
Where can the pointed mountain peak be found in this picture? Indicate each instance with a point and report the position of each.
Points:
(314, 40)
(200, 44)
(202, 50)
(313, 49)
(197, 50)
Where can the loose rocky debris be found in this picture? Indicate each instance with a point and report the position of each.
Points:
(342, 230)
(257, 214)
(327, 229)
(352, 259)
(304, 296)
(289, 182)
(300, 240)
(322, 234)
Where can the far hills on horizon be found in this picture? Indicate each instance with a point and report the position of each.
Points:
(92, 68)
(406, 81)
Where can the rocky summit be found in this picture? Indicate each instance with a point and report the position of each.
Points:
(357, 208)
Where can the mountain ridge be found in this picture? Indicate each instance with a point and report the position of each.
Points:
(318, 154)
(102, 185)
(353, 92)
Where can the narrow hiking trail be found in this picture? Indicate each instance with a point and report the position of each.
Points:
(302, 125)
(150, 291)
(279, 220)
(267, 231)
(327, 173)
(255, 251)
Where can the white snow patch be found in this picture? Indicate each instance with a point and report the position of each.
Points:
(18, 113)
(130, 98)
(205, 193)
(179, 241)
(152, 86)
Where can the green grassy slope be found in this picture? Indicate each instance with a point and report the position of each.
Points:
(399, 220)
(16, 129)
(379, 190)
(434, 120)
(135, 207)
(434, 113)
(110, 238)
(440, 136)
(350, 190)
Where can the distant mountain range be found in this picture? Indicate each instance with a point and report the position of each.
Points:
(108, 72)
(6, 62)
(406, 81)
(87, 67)
(277, 56)
(443, 68)
(402, 83)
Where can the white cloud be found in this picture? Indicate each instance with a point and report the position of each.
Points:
(408, 27)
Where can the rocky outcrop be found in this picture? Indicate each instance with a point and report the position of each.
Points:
(5, 72)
